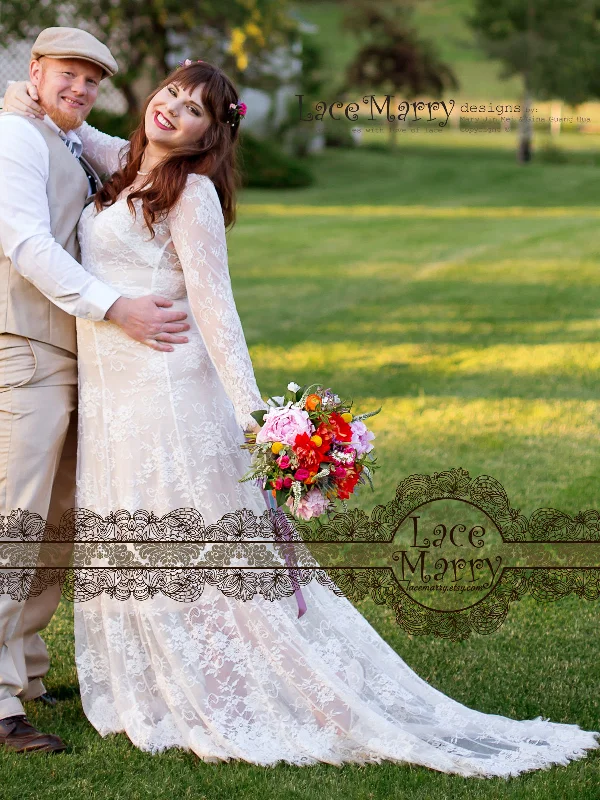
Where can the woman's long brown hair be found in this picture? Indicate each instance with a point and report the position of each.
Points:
(214, 154)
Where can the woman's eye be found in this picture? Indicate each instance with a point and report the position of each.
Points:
(173, 92)
(194, 111)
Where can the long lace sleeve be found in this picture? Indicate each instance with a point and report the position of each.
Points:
(104, 152)
(198, 232)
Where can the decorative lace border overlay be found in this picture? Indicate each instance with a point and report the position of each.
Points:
(441, 574)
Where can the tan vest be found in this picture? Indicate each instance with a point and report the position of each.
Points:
(24, 310)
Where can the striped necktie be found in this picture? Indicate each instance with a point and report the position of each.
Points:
(73, 146)
(77, 150)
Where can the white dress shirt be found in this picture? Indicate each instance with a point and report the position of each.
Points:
(25, 233)
(75, 143)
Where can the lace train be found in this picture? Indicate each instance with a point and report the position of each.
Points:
(230, 679)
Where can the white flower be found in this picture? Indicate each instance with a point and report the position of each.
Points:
(278, 401)
(293, 387)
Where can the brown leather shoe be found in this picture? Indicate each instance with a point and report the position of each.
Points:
(18, 735)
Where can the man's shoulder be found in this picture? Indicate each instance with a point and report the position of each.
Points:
(15, 128)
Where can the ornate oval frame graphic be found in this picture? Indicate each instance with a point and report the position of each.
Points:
(548, 555)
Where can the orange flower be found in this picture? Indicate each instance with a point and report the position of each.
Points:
(312, 401)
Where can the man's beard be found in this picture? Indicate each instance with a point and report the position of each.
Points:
(66, 120)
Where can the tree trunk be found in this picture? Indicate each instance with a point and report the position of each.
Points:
(525, 131)
(393, 134)
(526, 128)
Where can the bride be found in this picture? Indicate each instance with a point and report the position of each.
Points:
(223, 677)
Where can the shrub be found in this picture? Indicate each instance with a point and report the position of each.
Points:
(264, 165)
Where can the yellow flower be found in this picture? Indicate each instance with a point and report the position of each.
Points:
(347, 416)
(317, 440)
(276, 447)
(242, 61)
(238, 37)
(252, 29)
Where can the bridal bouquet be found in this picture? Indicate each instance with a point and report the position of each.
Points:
(310, 450)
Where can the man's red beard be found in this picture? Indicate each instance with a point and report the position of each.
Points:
(66, 120)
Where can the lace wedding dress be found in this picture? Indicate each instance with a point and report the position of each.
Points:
(222, 677)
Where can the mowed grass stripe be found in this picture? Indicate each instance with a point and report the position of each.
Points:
(498, 212)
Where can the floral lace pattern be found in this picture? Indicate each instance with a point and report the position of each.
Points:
(225, 678)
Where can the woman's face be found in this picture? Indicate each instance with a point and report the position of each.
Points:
(176, 117)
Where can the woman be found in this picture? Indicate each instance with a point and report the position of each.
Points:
(161, 431)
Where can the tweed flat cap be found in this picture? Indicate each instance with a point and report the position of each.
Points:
(74, 43)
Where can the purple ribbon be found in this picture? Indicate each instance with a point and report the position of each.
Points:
(286, 532)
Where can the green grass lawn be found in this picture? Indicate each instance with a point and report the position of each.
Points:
(480, 337)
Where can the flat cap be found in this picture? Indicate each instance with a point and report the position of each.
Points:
(74, 43)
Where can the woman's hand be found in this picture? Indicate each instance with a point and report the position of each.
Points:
(253, 428)
(21, 98)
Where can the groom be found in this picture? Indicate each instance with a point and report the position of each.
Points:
(44, 185)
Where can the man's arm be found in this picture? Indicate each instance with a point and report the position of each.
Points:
(25, 232)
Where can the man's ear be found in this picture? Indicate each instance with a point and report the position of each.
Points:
(35, 71)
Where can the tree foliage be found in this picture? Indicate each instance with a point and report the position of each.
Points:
(554, 45)
(392, 56)
(149, 37)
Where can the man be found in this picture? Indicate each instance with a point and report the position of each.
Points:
(44, 185)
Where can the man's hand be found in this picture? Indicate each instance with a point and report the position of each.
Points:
(143, 319)
(20, 98)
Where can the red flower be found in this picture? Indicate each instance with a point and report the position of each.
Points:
(325, 434)
(339, 427)
(345, 486)
(309, 454)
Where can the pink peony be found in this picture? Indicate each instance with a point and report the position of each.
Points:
(313, 504)
(301, 474)
(361, 436)
(283, 461)
(283, 425)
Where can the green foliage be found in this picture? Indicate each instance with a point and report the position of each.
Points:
(554, 45)
(392, 55)
(264, 165)
(338, 132)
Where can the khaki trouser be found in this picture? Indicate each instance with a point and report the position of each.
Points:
(38, 450)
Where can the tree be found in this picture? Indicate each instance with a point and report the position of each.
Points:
(148, 37)
(554, 46)
(392, 57)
